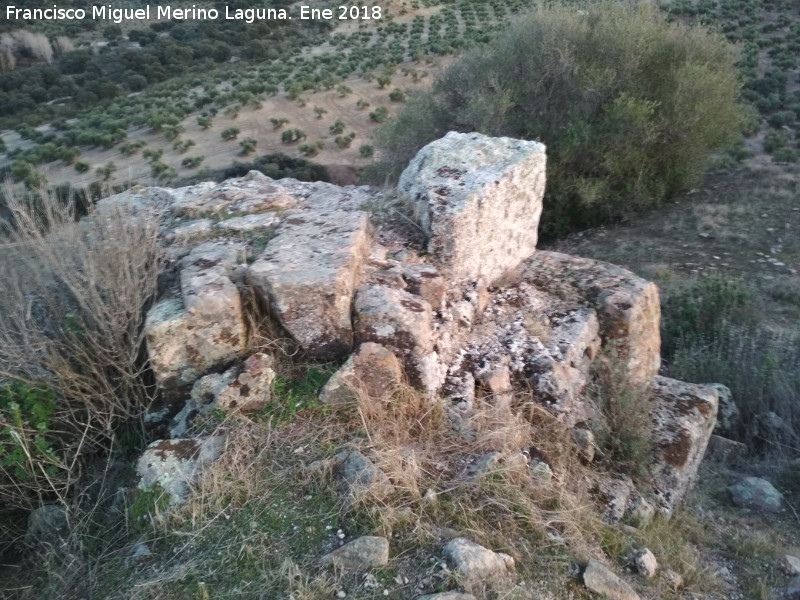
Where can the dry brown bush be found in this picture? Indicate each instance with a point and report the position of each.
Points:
(71, 315)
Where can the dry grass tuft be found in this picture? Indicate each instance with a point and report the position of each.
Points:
(71, 339)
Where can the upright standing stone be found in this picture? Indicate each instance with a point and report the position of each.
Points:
(479, 200)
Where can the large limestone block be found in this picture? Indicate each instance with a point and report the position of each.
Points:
(628, 306)
(203, 329)
(683, 417)
(308, 274)
(403, 323)
(479, 200)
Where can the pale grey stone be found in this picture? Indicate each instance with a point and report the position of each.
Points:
(308, 274)
(479, 200)
(599, 579)
(757, 494)
(367, 552)
(476, 564)
(175, 464)
(645, 563)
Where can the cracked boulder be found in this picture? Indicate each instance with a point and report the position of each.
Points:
(205, 327)
(403, 323)
(628, 307)
(683, 417)
(308, 274)
(478, 199)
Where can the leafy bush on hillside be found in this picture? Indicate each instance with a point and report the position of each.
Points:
(278, 166)
(710, 333)
(628, 105)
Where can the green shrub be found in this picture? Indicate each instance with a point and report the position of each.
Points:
(629, 105)
(27, 441)
(366, 150)
(380, 114)
(248, 146)
(230, 133)
(622, 428)
(710, 333)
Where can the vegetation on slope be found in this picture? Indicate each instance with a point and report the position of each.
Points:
(628, 105)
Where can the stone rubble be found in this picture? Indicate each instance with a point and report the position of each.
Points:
(471, 312)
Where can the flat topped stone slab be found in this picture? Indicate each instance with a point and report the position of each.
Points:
(479, 200)
(308, 274)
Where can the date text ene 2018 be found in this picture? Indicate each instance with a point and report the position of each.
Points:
(342, 13)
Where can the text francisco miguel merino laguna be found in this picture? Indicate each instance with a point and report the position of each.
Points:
(100, 12)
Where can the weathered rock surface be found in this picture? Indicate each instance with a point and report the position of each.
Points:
(175, 464)
(308, 273)
(479, 200)
(598, 579)
(645, 563)
(683, 417)
(245, 388)
(203, 329)
(628, 307)
(372, 370)
(540, 341)
(46, 524)
(723, 450)
(192, 231)
(791, 565)
(403, 323)
(366, 552)
(728, 412)
(253, 193)
(249, 223)
(359, 479)
(639, 513)
(476, 564)
(756, 494)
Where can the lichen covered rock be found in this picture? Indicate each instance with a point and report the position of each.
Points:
(308, 274)
(628, 307)
(479, 200)
(175, 464)
(683, 417)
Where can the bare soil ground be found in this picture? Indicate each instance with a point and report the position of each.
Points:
(255, 123)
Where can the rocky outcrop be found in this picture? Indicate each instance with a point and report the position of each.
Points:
(477, 318)
(202, 329)
(308, 274)
(683, 417)
(628, 307)
(479, 200)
